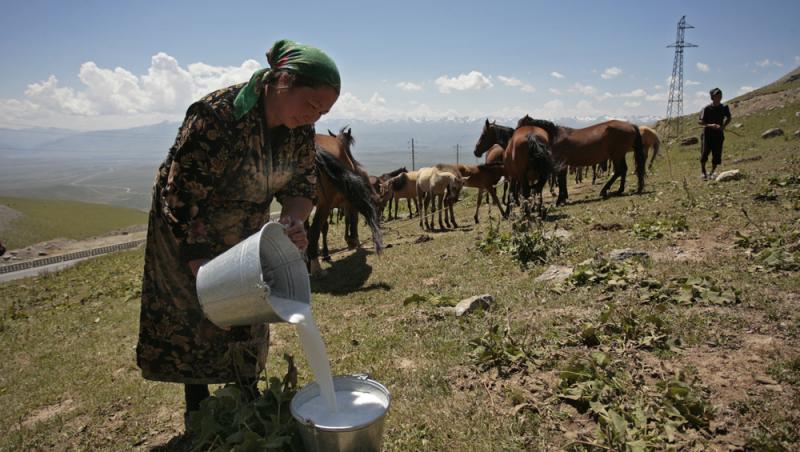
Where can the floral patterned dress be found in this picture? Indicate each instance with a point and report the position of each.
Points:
(213, 190)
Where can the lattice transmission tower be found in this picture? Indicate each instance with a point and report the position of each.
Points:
(675, 102)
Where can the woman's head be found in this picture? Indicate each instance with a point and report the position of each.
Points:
(301, 85)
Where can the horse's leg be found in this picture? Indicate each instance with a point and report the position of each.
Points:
(526, 194)
(493, 192)
(324, 231)
(313, 238)
(451, 204)
(563, 195)
(614, 176)
(623, 171)
(478, 207)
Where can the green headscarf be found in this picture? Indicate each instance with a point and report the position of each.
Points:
(303, 60)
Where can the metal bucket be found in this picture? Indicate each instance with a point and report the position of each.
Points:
(261, 279)
(366, 436)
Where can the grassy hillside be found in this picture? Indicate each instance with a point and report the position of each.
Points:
(697, 346)
(42, 220)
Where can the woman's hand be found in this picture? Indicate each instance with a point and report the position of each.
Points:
(296, 232)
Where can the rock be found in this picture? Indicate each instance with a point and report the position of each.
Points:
(423, 238)
(555, 273)
(606, 227)
(562, 234)
(729, 175)
(763, 379)
(754, 158)
(470, 304)
(782, 121)
(41, 253)
(689, 141)
(627, 253)
(797, 114)
(771, 133)
(737, 125)
(796, 133)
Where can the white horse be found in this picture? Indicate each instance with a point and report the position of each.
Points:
(434, 184)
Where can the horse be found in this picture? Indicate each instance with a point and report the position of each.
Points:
(380, 184)
(609, 140)
(527, 158)
(341, 181)
(432, 185)
(650, 139)
(404, 185)
(484, 177)
(490, 135)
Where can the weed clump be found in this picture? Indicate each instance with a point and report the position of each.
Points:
(656, 229)
(527, 242)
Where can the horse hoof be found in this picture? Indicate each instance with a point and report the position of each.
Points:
(316, 269)
(326, 258)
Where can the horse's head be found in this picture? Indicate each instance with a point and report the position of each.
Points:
(454, 188)
(486, 140)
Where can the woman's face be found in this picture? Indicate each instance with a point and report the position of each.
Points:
(300, 106)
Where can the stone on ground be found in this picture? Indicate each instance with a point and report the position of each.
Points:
(776, 132)
(556, 273)
(627, 253)
(470, 304)
(729, 175)
(689, 141)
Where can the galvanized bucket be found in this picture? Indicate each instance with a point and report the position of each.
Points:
(261, 279)
(367, 436)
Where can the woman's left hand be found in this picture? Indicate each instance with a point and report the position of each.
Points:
(296, 232)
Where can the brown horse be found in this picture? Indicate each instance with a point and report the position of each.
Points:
(609, 140)
(484, 177)
(341, 182)
(527, 159)
(650, 139)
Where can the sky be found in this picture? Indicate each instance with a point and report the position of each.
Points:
(93, 65)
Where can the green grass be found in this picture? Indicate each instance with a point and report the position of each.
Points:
(42, 220)
(669, 366)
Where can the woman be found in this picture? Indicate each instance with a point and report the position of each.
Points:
(237, 149)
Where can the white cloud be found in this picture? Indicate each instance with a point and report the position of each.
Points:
(745, 89)
(691, 83)
(473, 80)
(604, 96)
(409, 86)
(632, 104)
(767, 63)
(554, 104)
(117, 97)
(586, 90)
(585, 107)
(635, 93)
(555, 91)
(657, 97)
(557, 75)
(702, 67)
(611, 72)
(658, 87)
(509, 81)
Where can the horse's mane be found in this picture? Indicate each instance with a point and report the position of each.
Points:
(346, 140)
(395, 172)
(553, 130)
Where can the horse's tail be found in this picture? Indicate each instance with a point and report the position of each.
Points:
(641, 159)
(540, 159)
(355, 189)
(656, 146)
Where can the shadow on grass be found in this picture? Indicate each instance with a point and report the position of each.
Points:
(347, 275)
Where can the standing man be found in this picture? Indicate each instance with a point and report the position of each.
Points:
(714, 118)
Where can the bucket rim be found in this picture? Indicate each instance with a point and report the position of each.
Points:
(364, 378)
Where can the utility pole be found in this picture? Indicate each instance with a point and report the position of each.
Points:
(457, 155)
(675, 102)
(413, 166)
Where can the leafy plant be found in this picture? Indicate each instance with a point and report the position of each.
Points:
(775, 250)
(692, 291)
(626, 326)
(527, 243)
(609, 273)
(228, 420)
(656, 229)
(498, 349)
